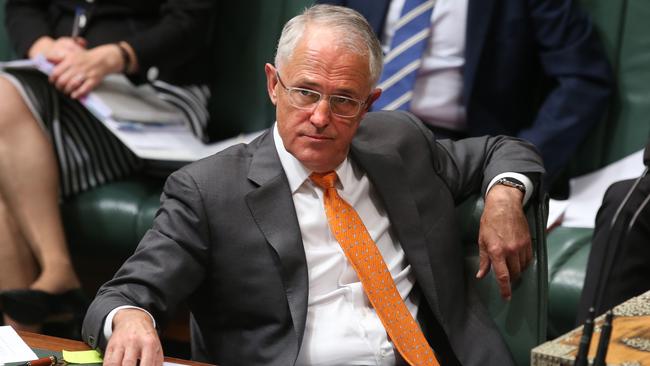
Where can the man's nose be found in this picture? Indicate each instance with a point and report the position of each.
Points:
(321, 115)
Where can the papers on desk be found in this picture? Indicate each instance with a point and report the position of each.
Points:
(13, 348)
(148, 126)
(587, 192)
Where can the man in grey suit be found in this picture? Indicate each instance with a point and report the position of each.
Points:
(243, 235)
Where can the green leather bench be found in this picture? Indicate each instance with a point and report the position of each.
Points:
(522, 320)
(623, 25)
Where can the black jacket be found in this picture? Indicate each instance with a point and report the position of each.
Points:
(172, 36)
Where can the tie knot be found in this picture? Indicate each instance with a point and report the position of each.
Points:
(324, 180)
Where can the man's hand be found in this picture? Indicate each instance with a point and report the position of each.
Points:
(134, 338)
(504, 240)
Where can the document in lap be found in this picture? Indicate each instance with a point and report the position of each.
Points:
(150, 127)
(116, 97)
(127, 102)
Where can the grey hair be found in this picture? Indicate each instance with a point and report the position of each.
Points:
(358, 36)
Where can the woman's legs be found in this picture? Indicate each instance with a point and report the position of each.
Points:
(19, 268)
(29, 186)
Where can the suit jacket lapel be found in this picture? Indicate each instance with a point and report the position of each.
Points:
(479, 15)
(272, 208)
(386, 172)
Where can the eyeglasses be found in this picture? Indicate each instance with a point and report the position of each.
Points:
(307, 99)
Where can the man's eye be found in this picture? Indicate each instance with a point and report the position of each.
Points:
(306, 93)
(341, 100)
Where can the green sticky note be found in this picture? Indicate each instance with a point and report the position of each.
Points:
(82, 356)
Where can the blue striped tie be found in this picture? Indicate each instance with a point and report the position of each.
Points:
(403, 60)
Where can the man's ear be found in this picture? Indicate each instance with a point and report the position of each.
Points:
(271, 82)
(374, 95)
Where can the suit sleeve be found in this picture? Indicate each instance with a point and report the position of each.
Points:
(465, 166)
(570, 53)
(468, 165)
(168, 265)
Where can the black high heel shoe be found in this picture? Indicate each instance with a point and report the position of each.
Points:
(38, 307)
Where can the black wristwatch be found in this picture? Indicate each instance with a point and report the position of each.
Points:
(512, 182)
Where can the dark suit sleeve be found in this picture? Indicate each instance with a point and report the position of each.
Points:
(181, 33)
(465, 166)
(571, 54)
(26, 21)
(168, 265)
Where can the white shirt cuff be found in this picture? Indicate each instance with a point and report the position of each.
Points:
(108, 322)
(518, 176)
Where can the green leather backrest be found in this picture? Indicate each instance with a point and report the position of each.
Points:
(522, 321)
(623, 26)
(568, 252)
(245, 38)
(5, 47)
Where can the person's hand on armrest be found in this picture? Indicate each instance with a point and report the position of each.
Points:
(504, 239)
(134, 338)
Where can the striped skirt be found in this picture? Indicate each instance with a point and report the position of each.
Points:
(88, 154)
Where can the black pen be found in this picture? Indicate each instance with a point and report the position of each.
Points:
(585, 340)
(603, 343)
(45, 361)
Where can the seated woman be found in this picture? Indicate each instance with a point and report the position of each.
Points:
(52, 148)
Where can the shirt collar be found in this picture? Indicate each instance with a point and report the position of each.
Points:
(297, 173)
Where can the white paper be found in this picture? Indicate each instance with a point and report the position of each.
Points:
(13, 348)
(556, 210)
(587, 191)
(168, 142)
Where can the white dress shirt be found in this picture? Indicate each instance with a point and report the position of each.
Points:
(342, 327)
(437, 94)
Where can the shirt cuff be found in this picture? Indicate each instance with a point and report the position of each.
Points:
(108, 322)
(518, 176)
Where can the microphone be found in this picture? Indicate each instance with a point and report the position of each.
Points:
(603, 342)
(585, 340)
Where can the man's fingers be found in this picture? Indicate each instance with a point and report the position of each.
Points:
(514, 265)
(484, 262)
(151, 355)
(113, 355)
(131, 356)
(503, 278)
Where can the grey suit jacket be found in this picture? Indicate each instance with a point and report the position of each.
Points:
(226, 238)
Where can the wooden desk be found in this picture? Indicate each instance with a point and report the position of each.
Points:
(57, 344)
(629, 343)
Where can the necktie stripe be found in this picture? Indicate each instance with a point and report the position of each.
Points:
(406, 97)
(411, 36)
(418, 37)
(413, 66)
(418, 10)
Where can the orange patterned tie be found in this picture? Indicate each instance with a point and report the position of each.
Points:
(362, 253)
